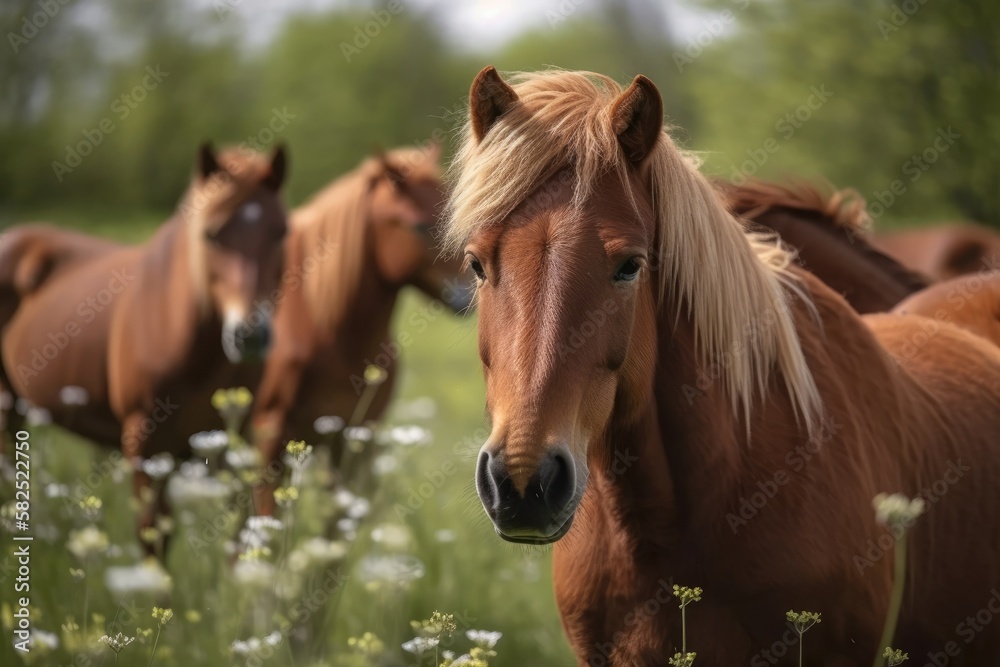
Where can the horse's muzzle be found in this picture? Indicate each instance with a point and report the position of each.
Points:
(244, 342)
(543, 513)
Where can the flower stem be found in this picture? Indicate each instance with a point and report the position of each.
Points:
(155, 642)
(896, 600)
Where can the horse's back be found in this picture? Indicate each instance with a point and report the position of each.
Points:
(58, 338)
(944, 251)
(970, 302)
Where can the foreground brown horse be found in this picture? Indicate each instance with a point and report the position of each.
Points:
(971, 302)
(149, 332)
(652, 370)
(828, 235)
(351, 249)
(29, 255)
(944, 251)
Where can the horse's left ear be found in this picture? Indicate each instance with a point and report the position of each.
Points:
(637, 119)
(279, 165)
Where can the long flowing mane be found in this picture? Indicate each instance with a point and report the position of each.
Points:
(729, 281)
(336, 220)
(207, 203)
(844, 209)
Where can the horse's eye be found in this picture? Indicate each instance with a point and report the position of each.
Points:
(477, 267)
(628, 271)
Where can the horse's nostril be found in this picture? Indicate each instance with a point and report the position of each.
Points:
(556, 477)
(486, 484)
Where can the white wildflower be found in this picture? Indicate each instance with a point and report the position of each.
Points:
(392, 536)
(87, 541)
(385, 464)
(328, 424)
(420, 645)
(897, 509)
(255, 573)
(483, 638)
(158, 466)
(73, 395)
(208, 444)
(145, 577)
(409, 435)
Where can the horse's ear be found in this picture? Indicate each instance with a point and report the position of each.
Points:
(32, 270)
(637, 119)
(489, 98)
(395, 173)
(279, 166)
(207, 164)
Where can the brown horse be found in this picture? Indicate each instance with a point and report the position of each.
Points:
(971, 302)
(352, 248)
(672, 401)
(829, 237)
(149, 332)
(944, 251)
(30, 254)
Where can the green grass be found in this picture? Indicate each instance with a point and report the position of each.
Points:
(485, 582)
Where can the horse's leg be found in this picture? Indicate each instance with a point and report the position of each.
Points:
(133, 448)
(274, 400)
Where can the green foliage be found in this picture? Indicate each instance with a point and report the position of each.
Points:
(898, 74)
(892, 78)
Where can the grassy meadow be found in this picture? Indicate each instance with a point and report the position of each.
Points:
(344, 560)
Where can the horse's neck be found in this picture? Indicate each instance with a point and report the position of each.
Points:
(165, 295)
(696, 453)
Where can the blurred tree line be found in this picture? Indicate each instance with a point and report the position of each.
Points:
(103, 102)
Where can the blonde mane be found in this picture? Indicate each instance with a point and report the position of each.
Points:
(336, 222)
(846, 208)
(208, 203)
(734, 285)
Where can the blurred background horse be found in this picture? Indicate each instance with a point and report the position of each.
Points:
(944, 251)
(126, 347)
(351, 249)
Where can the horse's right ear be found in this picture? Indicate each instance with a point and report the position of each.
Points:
(489, 98)
(279, 166)
(207, 164)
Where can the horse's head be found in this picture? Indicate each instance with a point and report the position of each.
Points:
(239, 226)
(566, 312)
(405, 213)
